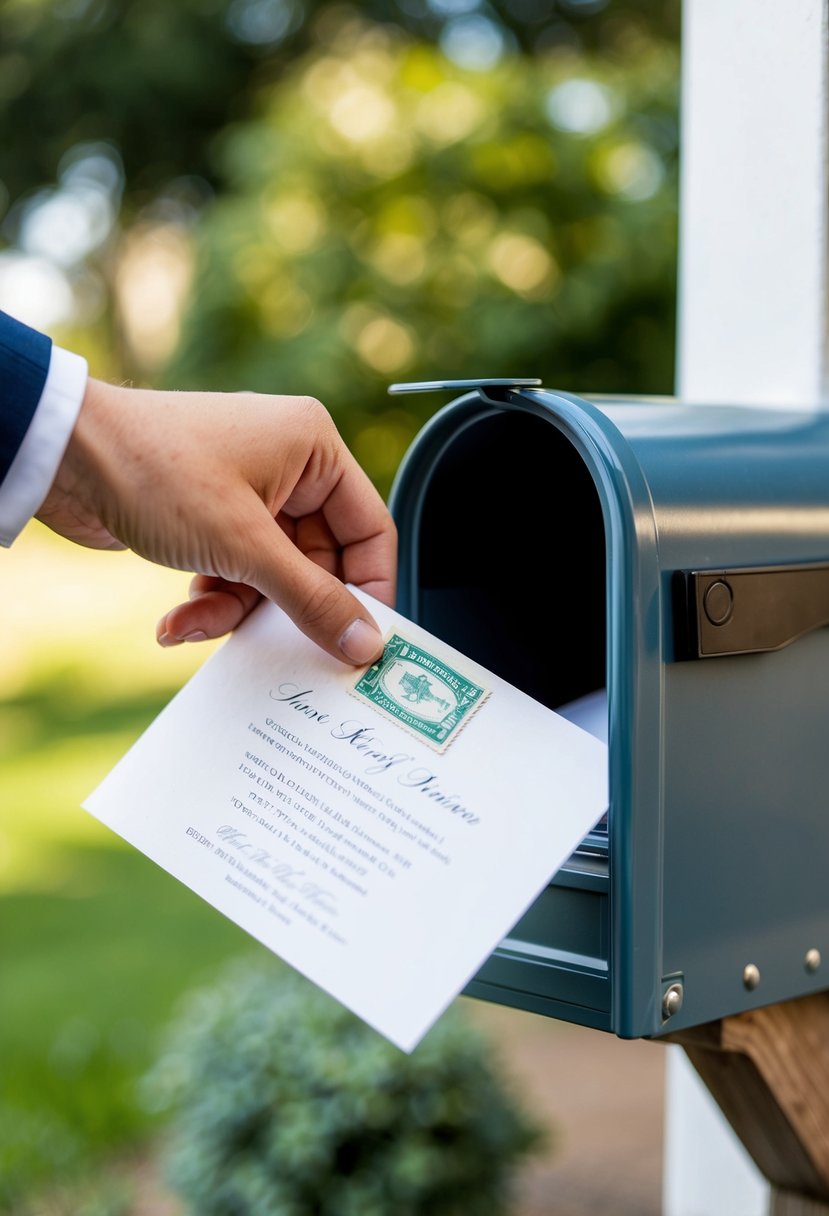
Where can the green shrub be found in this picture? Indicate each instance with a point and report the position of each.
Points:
(285, 1104)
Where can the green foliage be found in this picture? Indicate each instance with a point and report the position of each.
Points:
(97, 944)
(89, 978)
(154, 79)
(286, 1104)
(394, 216)
(158, 79)
(364, 209)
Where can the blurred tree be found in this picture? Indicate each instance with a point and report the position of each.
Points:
(407, 188)
(393, 215)
(154, 79)
(158, 80)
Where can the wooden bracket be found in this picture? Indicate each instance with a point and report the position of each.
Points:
(787, 1203)
(768, 1070)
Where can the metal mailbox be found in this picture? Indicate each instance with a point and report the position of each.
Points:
(678, 556)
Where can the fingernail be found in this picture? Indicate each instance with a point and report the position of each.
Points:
(164, 639)
(361, 643)
(198, 635)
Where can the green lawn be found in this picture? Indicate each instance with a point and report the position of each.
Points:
(90, 968)
(96, 943)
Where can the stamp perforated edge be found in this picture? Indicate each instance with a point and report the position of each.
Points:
(389, 655)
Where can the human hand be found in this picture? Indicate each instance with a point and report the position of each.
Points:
(257, 494)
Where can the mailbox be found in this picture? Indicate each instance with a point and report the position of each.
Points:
(677, 556)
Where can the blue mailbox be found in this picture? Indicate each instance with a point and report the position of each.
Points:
(677, 556)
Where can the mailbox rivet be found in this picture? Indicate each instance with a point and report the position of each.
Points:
(672, 1000)
(812, 960)
(718, 603)
(751, 976)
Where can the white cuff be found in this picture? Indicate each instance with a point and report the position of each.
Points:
(33, 469)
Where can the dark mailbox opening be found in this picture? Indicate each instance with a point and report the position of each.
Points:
(512, 557)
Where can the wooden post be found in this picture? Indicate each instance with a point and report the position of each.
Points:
(768, 1070)
(753, 325)
(786, 1203)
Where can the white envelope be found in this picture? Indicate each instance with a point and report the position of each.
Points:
(381, 830)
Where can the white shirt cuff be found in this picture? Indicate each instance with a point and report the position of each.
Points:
(33, 469)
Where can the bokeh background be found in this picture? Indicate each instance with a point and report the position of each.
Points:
(288, 196)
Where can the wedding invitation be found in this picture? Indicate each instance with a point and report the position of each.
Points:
(379, 829)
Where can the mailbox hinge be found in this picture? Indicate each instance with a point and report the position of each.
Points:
(747, 610)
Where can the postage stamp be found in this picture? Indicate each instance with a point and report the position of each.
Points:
(419, 691)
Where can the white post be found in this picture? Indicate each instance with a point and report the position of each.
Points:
(752, 331)
(753, 233)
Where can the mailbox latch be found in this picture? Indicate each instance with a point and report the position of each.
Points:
(493, 390)
(747, 610)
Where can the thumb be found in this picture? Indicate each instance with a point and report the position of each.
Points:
(316, 601)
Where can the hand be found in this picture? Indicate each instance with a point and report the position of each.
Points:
(257, 494)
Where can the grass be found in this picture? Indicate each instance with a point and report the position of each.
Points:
(96, 943)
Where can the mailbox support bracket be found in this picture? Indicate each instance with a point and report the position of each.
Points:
(768, 1070)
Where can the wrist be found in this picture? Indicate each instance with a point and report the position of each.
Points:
(88, 442)
(78, 504)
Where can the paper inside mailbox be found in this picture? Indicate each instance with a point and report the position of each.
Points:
(380, 830)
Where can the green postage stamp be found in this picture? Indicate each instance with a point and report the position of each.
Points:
(420, 692)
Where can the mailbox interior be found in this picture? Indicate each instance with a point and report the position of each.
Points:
(511, 568)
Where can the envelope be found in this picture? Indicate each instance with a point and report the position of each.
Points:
(379, 829)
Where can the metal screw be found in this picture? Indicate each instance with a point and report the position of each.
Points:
(672, 1000)
(812, 960)
(751, 976)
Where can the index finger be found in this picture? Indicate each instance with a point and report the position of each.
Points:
(362, 525)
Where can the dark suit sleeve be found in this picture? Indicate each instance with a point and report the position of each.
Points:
(24, 365)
